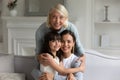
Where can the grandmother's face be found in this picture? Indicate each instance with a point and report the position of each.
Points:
(57, 20)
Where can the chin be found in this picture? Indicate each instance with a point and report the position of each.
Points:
(57, 29)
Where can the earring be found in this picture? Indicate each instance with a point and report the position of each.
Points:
(73, 49)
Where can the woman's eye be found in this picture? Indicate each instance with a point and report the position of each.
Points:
(61, 17)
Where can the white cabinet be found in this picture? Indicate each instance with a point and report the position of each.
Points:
(1, 34)
(106, 26)
(19, 34)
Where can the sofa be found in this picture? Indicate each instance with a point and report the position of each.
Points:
(14, 67)
(101, 67)
(98, 67)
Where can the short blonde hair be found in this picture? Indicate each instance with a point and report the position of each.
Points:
(60, 9)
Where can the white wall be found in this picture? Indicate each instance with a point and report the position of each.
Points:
(0, 22)
(1, 30)
(77, 12)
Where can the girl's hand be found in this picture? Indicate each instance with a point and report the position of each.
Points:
(82, 65)
(81, 58)
(70, 77)
(45, 58)
(46, 76)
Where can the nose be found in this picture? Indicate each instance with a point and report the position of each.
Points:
(65, 43)
(57, 19)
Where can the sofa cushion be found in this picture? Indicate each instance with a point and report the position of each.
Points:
(6, 63)
(24, 64)
(12, 76)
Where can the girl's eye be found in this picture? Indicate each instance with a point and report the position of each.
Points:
(53, 40)
(59, 40)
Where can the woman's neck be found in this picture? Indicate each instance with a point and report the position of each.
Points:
(66, 55)
(55, 29)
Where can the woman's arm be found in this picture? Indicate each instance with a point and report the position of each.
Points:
(82, 60)
(63, 70)
(58, 68)
(79, 50)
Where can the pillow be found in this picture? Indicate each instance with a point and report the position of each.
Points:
(12, 76)
(6, 63)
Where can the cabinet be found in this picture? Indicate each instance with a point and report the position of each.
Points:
(1, 32)
(0, 23)
(106, 26)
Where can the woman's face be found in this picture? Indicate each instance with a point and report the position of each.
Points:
(57, 20)
(67, 43)
(54, 45)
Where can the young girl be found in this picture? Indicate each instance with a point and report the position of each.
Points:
(51, 45)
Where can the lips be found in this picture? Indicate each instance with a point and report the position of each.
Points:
(64, 48)
(57, 25)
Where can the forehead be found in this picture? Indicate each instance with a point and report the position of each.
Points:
(56, 12)
(67, 37)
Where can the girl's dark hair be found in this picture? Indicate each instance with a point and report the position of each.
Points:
(50, 36)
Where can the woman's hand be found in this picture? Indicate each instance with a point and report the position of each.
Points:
(45, 58)
(70, 77)
(82, 65)
(46, 76)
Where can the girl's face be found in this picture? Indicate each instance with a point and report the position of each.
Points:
(67, 43)
(57, 20)
(54, 45)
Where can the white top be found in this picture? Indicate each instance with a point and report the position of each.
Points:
(49, 68)
(68, 63)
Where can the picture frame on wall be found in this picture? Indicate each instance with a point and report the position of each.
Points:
(39, 7)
